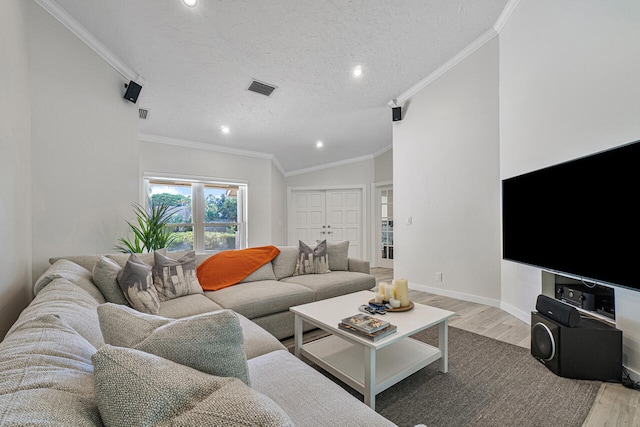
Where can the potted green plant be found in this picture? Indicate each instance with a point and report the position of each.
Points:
(151, 231)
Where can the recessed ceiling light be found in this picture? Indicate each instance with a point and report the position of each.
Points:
(357, 72)
(319, 144)
(225, 129)
(190, 3)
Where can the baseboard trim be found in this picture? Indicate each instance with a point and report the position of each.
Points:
(453, 294)
(516, 312)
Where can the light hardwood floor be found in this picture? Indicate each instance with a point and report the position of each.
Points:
(615, 405)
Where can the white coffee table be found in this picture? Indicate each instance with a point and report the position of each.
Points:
(370, 367)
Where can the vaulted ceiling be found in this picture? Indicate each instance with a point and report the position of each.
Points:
(196, 64)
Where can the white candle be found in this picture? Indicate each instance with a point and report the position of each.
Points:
(394, 303)
(402, 291)
(389, 292)
(381, 287)
(379, 298)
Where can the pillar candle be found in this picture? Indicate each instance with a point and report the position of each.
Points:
(381, 287)
(402, 291)
(379, 298)
(389, 292)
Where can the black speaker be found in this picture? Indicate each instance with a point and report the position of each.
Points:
(591, 350)
(132, 92)
(396, 113)
(558, 311)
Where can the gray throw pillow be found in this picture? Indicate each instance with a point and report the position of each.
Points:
(209, 342)
(312, 260)
(137, 286)
(338, 253)
(134, 388)
(175, 278)
(105, 276)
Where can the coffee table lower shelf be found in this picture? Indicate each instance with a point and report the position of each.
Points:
(346, 360)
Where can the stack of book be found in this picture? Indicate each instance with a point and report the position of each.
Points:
(367, 326)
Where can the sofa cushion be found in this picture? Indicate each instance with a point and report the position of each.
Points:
(105, 277)
(333, 284)
(71, 271)
(338, 253)
(256, 299)
(263, 273)
(86, 261)
(227, 268)
(46, 376)
(175, 277)
(211, 342)
(312, 260)
(136, 282)
(308, 397)
(285, 263)
(134, 388)
(187, 305)
(71, 303)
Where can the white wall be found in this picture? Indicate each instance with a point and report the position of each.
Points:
(278, 208)
(15, 164)
(446, 178)
(569, 86)
(255, 171)
(84, 145)
(383, 167)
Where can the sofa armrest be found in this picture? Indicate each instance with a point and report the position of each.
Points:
(359, 265)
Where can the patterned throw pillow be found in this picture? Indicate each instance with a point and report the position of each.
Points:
(135, 388)
(312, 260)
(175, 278)
(137, 286)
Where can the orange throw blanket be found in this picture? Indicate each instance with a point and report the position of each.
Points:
(228, 268)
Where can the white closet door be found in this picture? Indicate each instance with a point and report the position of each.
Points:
(334, 215)
(344, 219)
(306, 217)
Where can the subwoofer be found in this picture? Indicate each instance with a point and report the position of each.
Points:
(592, 350)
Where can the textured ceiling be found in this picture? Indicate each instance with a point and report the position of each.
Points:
(197, 64)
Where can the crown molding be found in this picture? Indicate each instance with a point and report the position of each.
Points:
(55, 10)
(329, 165)
(202, 146)
(459, 57)
(463, 54)
(382, 150)
(505, 15)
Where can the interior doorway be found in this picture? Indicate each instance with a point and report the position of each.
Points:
(384, 226)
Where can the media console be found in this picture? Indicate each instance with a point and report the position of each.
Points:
(593, 299)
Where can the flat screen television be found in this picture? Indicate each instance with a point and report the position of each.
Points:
(581, 217)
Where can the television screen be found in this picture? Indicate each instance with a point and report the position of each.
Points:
(581, 217)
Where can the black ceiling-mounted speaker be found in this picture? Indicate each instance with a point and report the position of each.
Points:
(132, 92)
(396, 113)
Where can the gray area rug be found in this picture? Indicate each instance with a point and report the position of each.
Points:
(489, 383)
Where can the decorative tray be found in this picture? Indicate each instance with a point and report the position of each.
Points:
(407, 308)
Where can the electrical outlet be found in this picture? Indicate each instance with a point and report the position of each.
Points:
(409, 220)
(438, 276)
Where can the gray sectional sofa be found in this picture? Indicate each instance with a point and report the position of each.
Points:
(54, 362)
(266, 295)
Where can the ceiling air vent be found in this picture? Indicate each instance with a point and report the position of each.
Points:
(261, 88)
(144, 113)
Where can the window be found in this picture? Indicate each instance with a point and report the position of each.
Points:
(207, 216)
